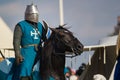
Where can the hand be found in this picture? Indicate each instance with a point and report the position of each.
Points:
(19, 59)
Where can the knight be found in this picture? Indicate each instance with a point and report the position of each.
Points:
(28, 34)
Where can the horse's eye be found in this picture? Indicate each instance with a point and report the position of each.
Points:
(67, 41)
(75, 38)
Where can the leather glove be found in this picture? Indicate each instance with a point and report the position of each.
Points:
(19, 59)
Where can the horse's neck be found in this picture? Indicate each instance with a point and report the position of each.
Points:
(51, 62)
(58, 46)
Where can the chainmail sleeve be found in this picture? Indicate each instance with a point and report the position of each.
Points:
(17, 40)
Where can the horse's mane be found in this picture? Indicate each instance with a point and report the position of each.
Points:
(45, 60)
(64, 28)
(48, 57)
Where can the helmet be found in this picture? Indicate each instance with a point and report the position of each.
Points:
(31, 13)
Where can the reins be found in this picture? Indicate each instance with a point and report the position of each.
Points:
(68, 56)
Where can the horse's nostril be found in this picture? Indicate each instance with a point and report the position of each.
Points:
(79, 46)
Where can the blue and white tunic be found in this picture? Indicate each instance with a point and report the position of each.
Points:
(30, 36)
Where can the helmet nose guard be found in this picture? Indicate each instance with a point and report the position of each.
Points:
(31, 13)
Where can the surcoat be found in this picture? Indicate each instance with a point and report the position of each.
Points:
(30, 38)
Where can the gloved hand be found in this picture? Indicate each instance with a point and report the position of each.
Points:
(19, 59)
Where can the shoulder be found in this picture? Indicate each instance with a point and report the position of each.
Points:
(21, 22)
(40, 24)
(21, 25)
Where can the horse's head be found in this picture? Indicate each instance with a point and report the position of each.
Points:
(66, 40)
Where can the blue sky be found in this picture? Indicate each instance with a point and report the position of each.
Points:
(90, 20)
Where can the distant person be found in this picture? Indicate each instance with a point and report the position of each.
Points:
(73, 75)
(99, 77)
(117, 27)
(117, 68)
(81, 69)
(67, 72)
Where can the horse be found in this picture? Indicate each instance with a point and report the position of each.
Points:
(52, 56)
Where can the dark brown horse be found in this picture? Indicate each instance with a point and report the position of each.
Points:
(52, 57)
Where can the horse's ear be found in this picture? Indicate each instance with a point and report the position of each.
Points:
(54, 30)
(61, 26)
(45, 25)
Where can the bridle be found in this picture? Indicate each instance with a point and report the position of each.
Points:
(62, 41)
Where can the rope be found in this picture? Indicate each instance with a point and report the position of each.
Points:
(2, 55)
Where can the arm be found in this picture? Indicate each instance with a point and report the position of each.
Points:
(16, 43)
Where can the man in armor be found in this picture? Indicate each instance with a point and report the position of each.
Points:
(117, 27)
(27, 35)
(117, 68)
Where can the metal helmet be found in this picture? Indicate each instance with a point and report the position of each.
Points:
(31, 13)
